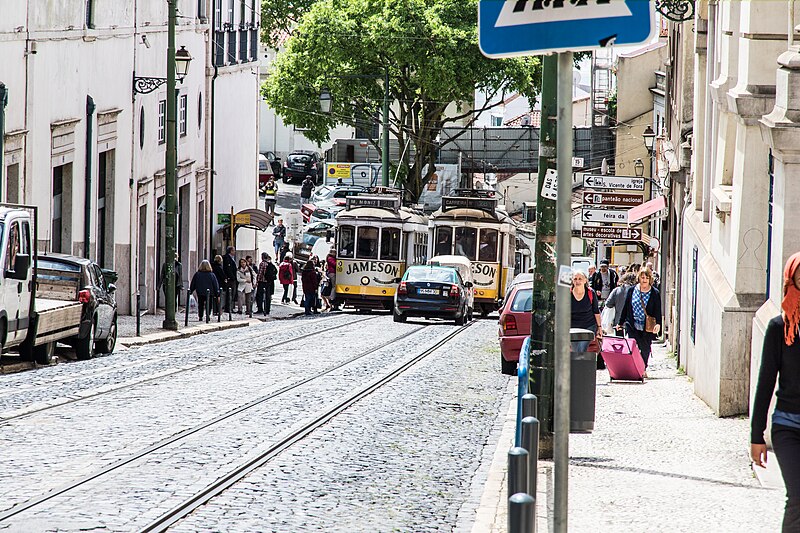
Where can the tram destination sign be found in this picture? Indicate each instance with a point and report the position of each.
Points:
(465, 202)
(392, 203)
(624, 183)
(612, 199)
(618, 216)
(611, 233)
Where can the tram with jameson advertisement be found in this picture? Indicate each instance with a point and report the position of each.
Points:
(376, 239)
(470, 224)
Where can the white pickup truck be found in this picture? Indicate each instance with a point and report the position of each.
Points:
(49, 299)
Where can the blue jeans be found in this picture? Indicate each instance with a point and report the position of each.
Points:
(309, 301)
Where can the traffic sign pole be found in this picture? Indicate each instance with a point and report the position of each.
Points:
(563, 294)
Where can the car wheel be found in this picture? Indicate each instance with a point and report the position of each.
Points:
(461, 319)
(398, 317)
(471, 315)
(84, 348)
(285, 178)
(508, 368)
(43, 354)
(108, 344)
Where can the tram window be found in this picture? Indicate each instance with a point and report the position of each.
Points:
(465, 242)
(444, 241)
(420, 248)
(488, 248)
(367, 247)
(347, 241)
(390, 244)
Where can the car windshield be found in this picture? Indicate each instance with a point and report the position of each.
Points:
(522, 301)
(440, 275)
(323, 191)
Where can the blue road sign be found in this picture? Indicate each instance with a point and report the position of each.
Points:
(509, 28)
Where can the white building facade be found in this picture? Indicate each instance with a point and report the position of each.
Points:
(89, 150)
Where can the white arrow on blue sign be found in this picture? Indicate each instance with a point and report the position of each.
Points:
(508, 28)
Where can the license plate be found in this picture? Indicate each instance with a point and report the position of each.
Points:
(429, 291)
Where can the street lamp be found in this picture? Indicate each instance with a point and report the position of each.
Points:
(638, 167)
(145, 85)
(649, 139)
(325, 104)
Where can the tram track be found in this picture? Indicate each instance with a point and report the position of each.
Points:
(188, 506)
(178, 437)
(4, 420)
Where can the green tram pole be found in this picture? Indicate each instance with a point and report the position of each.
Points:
(544, 276)
(385, 133)
(170, 180)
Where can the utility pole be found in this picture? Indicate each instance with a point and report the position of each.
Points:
(170, 180)
(543, 323)
(385, 132)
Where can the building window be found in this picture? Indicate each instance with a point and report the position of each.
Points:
(770, 214)
(693, 323)
(201, 11)
(230, 12)
(231, 48)
(218, 15)
(497, 121)
(90, 14)
(199, 111)
(219, 49)
(182, 112)
(162, 121)
(243, 46)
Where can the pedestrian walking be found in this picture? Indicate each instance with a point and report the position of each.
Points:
(780, 361)
(616, 300)
(267, 272)
(604, 280)
(222, 280)
(585, 310)
(270, 198)
(310, 279)
(244, 279)
(278, 237)
(177, 273)
(229, 267)
(641, 313)
(253, 276)
(330, 271)
(286, 276)
(204, 282)
(325, 290)
(306, 189)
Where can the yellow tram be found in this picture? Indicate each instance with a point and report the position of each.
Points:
(470, 224)
(376, 239)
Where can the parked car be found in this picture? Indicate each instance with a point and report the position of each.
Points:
(317, 239)
(264, 172)
(274, 163)
(100, 312)
(302, 163)
(324, 210)
(326, 192)
(515, 324)
(464, 267)
(433, 292)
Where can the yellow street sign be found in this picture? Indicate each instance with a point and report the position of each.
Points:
(339, 170)
(243, 220)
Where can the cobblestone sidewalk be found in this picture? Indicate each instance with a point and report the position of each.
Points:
(658, 460)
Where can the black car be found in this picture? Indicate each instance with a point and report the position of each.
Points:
(274, 163)
(432, 292)
(100, 309)
(303, 163)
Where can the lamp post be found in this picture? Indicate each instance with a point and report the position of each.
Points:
(325, 105)
(3, 103)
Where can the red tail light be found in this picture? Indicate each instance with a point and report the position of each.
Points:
(402, 289)
(454, 291)
(509, 324)
(84, 296)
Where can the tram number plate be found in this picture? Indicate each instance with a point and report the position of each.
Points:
(428, 291)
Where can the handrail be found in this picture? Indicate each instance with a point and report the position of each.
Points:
(523, 379)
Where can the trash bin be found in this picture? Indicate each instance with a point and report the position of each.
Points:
(583, 384)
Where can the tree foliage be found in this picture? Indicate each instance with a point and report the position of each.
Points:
(430, 48)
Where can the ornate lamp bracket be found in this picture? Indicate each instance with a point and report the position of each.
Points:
(147, 85)
(676, 10)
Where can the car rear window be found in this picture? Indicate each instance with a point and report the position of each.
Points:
(440, 275)
(46, 264)
(522, 301)
(299, 158)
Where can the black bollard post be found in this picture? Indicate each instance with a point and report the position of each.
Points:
(530, 405)
(138, 314)
(229, 303)
(219, 307)
(521, 514)
(186, 319)
(208, 306)
(517, 470)
(530, 441)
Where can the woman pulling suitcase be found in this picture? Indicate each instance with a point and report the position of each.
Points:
(641, 313)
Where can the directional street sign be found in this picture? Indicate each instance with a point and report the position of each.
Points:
(620, 216)
(625, 183)
(611, 233)
(611, 199)
(528, 27)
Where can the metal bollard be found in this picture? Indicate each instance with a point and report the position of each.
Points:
(521, 514)
(186, 320)
(530, 405)
(219, 308)
(517, 470)
(229, 303)
(530, 441)
(138, 314)
(208, 306)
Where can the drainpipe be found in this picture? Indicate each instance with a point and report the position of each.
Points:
(3, 103)
(87, 207)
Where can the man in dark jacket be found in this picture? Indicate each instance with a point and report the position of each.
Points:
(604, 280)
(230, 266)
(205, 285)
(267, 273)
(310, 278)
(305, 190)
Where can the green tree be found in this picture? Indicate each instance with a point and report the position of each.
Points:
(430, 48)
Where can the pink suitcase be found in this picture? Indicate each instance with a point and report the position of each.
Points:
(623, 359)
